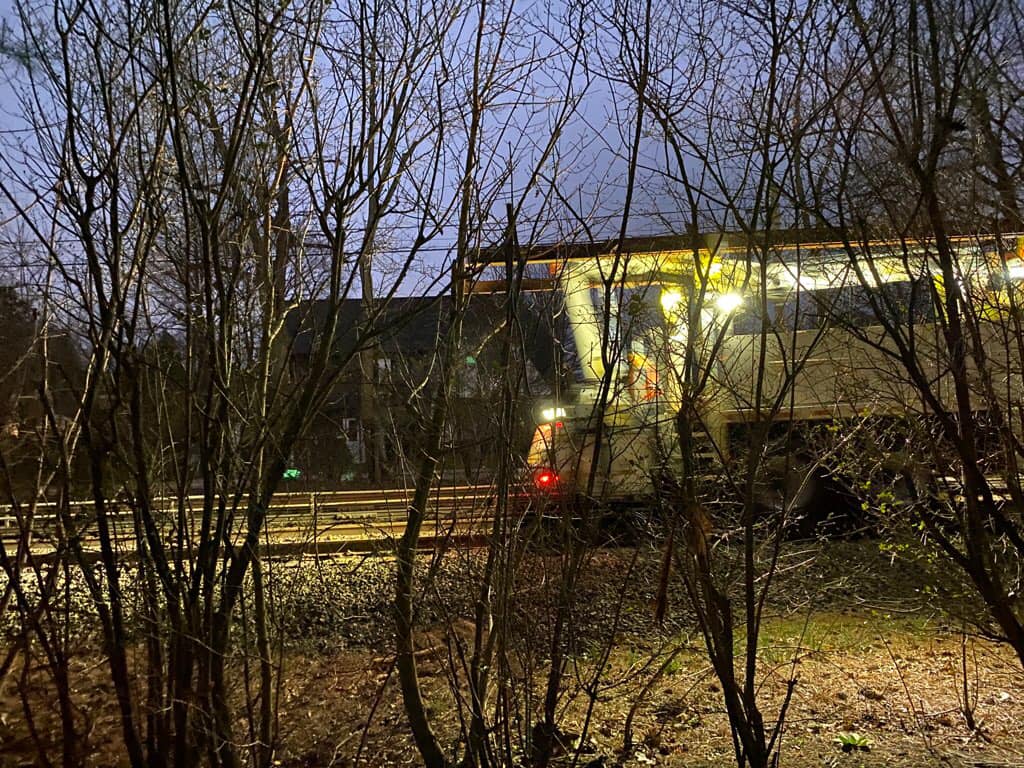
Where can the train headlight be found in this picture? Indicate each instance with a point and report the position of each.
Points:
(550, 414)
(728, 302)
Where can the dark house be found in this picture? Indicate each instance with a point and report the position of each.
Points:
(380, 403)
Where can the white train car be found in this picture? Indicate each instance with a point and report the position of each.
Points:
(729, 336)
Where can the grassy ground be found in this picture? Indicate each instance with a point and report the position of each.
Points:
(870, 654)
(892, 680)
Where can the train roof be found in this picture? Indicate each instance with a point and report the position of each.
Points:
(823, 242)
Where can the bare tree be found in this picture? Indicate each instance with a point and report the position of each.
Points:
(500, 69)
(722, 165)
(920, 180)
(183, 169)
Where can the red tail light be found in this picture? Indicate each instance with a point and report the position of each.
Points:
(545, 478)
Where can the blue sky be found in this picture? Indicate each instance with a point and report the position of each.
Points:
(592, 174)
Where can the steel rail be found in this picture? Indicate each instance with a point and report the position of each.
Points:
(338, 513)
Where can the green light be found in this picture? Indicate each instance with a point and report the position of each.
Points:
(292, 474)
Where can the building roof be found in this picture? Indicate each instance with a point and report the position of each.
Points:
(413, 325)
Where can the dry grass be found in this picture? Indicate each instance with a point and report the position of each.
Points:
(872, 659)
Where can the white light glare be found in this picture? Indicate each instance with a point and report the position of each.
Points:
(550, 414)
(670, 300)
(728, 302)
(1015, 271)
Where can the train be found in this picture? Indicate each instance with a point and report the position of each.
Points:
(784, 333)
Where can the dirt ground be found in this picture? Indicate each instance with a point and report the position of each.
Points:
(893, 681)
(869, 655)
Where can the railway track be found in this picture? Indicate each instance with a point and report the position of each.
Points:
(322, 522)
